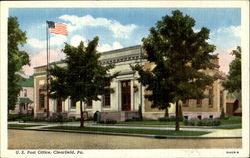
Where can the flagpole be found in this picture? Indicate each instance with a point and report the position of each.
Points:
(47, 74)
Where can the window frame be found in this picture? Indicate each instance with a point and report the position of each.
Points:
(89, 104)
(25, 92)
(71, 103)
(211, 97)
(199, 102)
(185, 103)
(41, 99)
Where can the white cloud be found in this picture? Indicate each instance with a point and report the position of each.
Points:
(226, 37)
(235, 30)
(117, 45)
(119, 30)
(41, 59)
(55, 41)
(196, 30)
(107, 47)
(75, 40)
(35, 43)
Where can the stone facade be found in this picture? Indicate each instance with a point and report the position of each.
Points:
(128, 93)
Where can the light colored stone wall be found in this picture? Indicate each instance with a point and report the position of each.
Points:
(39, 82)
(122, 59)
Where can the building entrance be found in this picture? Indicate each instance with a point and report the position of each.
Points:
(59, 105)
(126, 96)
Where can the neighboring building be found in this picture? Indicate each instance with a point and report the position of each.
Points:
(128, 94)
(233, 105)
(25, 104)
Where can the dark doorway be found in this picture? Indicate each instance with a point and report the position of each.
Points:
(59, 105)
(126, 96)
(22, 107)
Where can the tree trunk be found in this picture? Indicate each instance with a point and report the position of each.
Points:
(166, 112)
(177, 128)
(82, 119)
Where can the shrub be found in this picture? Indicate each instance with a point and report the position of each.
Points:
(200, 123)
(59, 118)
(95, 116)
(192, 123)
(89, 118)
(17, 117)
(185, 122)
(110, 121)
(13, 117)
(216, 123)
(222, 115)
(78, 119)
(133, 119)
(27, 118)
(101, 121)
(38, 119)
(164, 119)
(128, 120)
(209, 123)
(169, 119)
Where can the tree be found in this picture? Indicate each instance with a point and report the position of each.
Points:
(233, 82)
(180, 56)
(16, 60)
(83, 78)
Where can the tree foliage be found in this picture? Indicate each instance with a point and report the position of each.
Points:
(16, 60)
(233, 82)
(83, 78)
(179, 55)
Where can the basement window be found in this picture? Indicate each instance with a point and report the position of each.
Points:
(185, 117)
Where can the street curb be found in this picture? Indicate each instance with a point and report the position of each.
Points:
(167, 126)
(128, 134)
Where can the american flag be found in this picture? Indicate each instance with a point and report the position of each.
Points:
(57, 28)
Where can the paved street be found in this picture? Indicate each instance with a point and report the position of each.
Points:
(27, 139)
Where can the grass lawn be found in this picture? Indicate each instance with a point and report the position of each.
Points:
(229, 127)
(231, 121)
(20, 125)
(147, 123)
(132, 131)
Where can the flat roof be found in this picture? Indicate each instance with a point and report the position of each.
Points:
(106, 52)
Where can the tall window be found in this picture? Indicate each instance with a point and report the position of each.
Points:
(221, 98)
(25, 92)
(72, 103)
(89, 104)
(198, 102)
(41, 100)
(106, 98)
(211, 96)
(185, 103)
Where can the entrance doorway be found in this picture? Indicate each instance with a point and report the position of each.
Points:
(126, 96)
(59, 105)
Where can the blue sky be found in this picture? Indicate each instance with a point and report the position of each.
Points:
(120, 27)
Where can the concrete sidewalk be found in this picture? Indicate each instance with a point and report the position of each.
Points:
(213, 132)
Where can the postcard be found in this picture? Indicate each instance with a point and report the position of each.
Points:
(124, 79)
